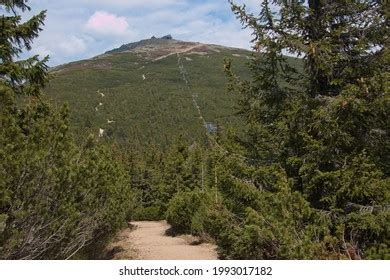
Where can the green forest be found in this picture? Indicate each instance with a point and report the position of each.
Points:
(297, 169)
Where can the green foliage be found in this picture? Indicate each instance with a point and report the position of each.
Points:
(56, 198)
(160, 176)
(149, 213)
(59, 197)
(186, 211)
(314, 174)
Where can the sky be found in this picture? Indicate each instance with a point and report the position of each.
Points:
(80, 29)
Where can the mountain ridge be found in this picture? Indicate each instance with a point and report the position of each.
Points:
(160, 48)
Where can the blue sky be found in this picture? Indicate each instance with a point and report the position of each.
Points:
(77, 29)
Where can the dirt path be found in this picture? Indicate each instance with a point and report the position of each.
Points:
(178, 52)
(149, 242)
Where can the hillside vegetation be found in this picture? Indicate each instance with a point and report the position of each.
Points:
(143, 94)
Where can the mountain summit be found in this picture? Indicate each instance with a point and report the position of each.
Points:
(159, 48)
(152, 41)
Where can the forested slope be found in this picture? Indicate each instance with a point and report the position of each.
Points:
(137, 94)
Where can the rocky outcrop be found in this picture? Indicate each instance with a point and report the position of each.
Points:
(167, 37)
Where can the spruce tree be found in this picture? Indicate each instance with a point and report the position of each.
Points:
(23, 77)
(17, 78)
(325, 128)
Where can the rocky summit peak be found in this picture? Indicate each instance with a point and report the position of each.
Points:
(152, 41)
(167, 37)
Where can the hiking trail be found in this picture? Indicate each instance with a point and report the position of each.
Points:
(148, 241)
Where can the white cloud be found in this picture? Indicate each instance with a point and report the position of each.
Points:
(218, 32)
(253, 6)
(42, 51)
(71, 46)
(145, 4)
(60, 47)
(179, 16)
(104, 23)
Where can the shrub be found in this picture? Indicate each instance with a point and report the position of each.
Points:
(57, 197)
(150, 213)
(187, 210)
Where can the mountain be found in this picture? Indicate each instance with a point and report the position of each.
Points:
(150, 92)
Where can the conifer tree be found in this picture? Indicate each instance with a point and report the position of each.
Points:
(24, 77)
(325, 129)
(17, 78)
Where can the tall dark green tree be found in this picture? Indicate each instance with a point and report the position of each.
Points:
(15, 76)
(326, 128)
(23, 77)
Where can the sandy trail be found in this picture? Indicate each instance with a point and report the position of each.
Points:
(178, 52)
(149, 242)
